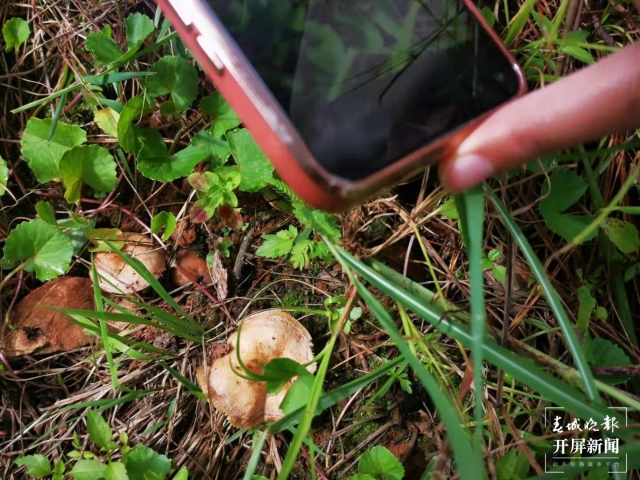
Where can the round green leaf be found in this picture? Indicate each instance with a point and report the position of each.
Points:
(224, 119)
(175, 76)
(155, 163)
(90, 164)
(381, 463)
(145, 463)
(45, 249)
(44, 156)
(164, 220)
(15, 33)
(104, 49)
(139, 27)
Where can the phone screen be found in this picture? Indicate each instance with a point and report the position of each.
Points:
(366, 82)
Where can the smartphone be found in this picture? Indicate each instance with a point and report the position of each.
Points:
(349, 97)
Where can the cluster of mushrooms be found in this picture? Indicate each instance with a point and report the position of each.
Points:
(34, 328)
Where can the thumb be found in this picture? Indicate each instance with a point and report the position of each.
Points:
(596, 101)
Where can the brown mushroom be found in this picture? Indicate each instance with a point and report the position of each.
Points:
(117, 276)
(33, 328)
(193, 266)
(264, 336)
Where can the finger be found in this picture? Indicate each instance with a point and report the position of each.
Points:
(599, 100)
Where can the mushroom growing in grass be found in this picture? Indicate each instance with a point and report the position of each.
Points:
(265, 336)
(117, 276)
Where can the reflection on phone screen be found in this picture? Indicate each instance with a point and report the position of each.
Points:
(366, 82)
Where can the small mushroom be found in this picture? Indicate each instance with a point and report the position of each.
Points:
(122, 278)
(195, 268)
(33, 328)
(265, 335)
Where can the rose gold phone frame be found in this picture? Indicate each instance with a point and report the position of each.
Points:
(232, 74)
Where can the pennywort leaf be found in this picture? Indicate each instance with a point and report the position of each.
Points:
(138, 27)
(224, 118)
(380, 463)
(15, 31)
(217, 150)
(44, 156)
(90, 164)
(166, 221)
(41, 246)
(567, 187)
(154, 161)
(175, 76)
(133, 110)
(103, 48)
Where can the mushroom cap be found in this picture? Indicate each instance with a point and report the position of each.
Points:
(35, 329)
(119, 273)
(264, 336)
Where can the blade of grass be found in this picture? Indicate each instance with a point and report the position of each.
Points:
(469, 459)
(256, 449)
(56, 115)
(104, 331)
(329, 399)
(552, 299)
(519, 21)
(567, 372)
(522, 369)
(471, 209)
(314, 398)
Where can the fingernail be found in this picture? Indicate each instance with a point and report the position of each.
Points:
(467, 171)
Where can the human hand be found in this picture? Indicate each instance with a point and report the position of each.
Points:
(596, 101)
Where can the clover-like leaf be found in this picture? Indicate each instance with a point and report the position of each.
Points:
(103, 48)
(567, 187)
(44, 156)
(254, 166)
(224, 118)
(379, 462)
(138, 27)
(88, 470)
(15, 31)
(166, 221)
(128, 133)
(41, 246)
(217, 149)
(107, 119)
(90, 164)
(37, 465)
(624, 235)
(155, 163)
(144, 463)
(4, 176)
(176, 76)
